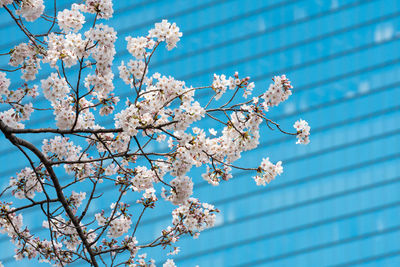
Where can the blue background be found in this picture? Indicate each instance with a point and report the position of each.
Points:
(337, 202)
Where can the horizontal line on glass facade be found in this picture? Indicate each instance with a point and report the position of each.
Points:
(301, 228)
(267, 189)
(260, 33)
(369, 259)
(292, 45)
(287, 69)
(264, 144)
(323, 246)
(64, 6)
(279, 27)
(289, 184)
(137, 26)
(306, 203)
(241, 16)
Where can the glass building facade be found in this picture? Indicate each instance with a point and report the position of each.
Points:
(338, 201)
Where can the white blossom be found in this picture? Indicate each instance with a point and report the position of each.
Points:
(26, 183)
(169, 263)
(4, 84)
(267, 172)
(70, 20)
(77, 198)
(30, 9)
(183, 189)
(124, 157)
(54, 87)
(128, 120)
(165, 31)
(25, 54)
(303, 132)
(137, 46)
(5, 2)
(196, 216)
(104, 8)
(278, 92)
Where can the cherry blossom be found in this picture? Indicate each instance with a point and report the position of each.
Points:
(5, 2)
(4, 84)
(26, 183)
(278, 92)
(70, 20)
(169, 263)
(267, 172)
(303, 132)
(81, 159)
(31, 10)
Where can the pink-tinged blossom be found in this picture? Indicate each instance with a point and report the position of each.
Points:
(267, 172)
(182, 190)
(26, 184)
(303, 132)
(103, 8)
(119, 226)
(30, 9)
(70, 20)
(143, 179)
(5, 2)
(67, 48)
(160, 106)
(15, 115)
(25, 54)
(169, 263)
(134, 71)
(76, 198)
(4, 84)
(278, 92)
(11, 224)
(55, 88)
(193, 216)
(19, 53)
(138, 46)
(128, 120)
(165, 31)
(219, 85)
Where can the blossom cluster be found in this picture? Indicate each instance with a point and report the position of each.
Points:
(159, 111)
(31, 10)
(221, 84)
(267, 172)
(5, 2)
(119, 222)
(55, 88)
(76, 199)
(61, 148)
(165, 31)
(18, 112)
(182, 189)
(103, 8)
(70, 20)
(26, 183)
(4, 84)
(194, 217)
(27, 56)
(278, 92)
(303, 132)
(67, 233)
